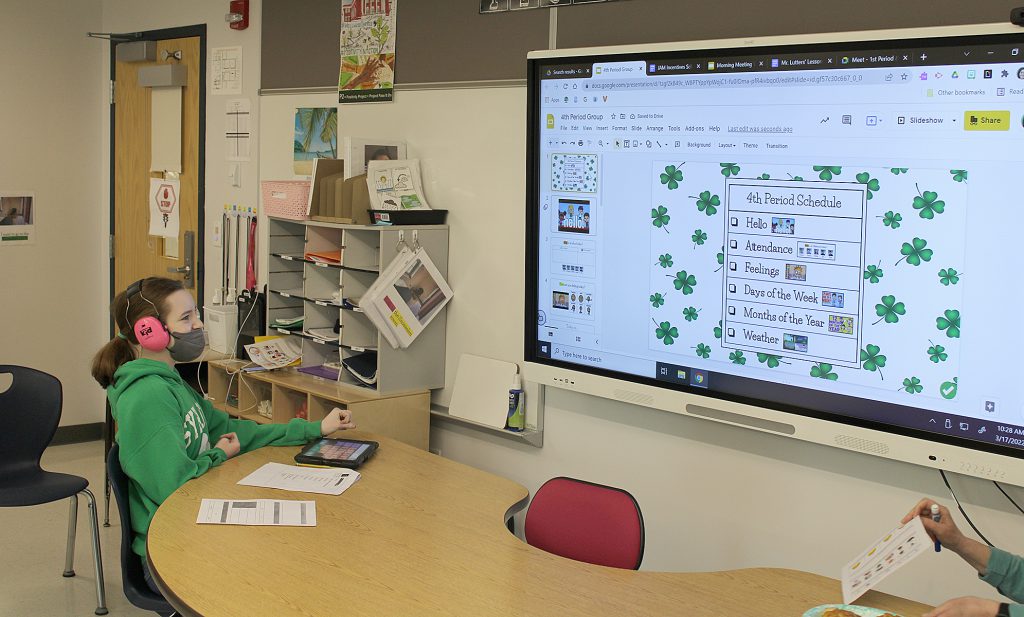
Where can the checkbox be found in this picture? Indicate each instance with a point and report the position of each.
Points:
(732, 266)
(734, 221)
(733, 244)
(732, 310)
(732, 289)
(731, 332)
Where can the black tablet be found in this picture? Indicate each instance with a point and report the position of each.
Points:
(337, 452)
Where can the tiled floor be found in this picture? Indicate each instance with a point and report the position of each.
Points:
(33, 541)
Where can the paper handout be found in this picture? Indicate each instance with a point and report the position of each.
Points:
(395, 185)
(886, 555)
(302, 479)
(273, 353)
(257, 512)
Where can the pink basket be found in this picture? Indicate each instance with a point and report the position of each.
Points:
(286, 199)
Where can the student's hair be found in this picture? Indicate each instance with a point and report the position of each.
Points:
(126, 311)
(380, 152)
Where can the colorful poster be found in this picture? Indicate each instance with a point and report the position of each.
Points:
(367, 72)
(316, 137)
(17, 218)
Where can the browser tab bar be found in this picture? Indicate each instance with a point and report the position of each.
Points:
(620, 69)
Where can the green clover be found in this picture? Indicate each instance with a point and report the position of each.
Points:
(764, 176)
(949, 276)
(720, 256)
(827, 171)
(960, 175)
(936, 353)
(690, 313)
(770, 360)
(873, 274)
(872, 183)
(730, 169)
(737, 357)
(928, 203)
(889, 310)
(824, 371)
(950, 322)
(912, 385)
(915, 253)
(703, 351)
(661, 217)
(685, 282)
(666, 332)
(718, 329)
(707, 203)
(792, 177)
(898, 170)
(657, 300)
(665, 260)
(892, 219)
(672, 177)
(872, 360)
(698, 237)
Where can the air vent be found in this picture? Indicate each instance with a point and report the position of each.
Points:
(864, 445)
(982, 471)
(633, 397)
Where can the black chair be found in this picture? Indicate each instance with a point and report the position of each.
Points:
(132, 576)
(29, 414)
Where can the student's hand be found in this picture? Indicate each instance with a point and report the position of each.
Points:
(945, 531)
(229, 443)
(337, 420)
(966, 607)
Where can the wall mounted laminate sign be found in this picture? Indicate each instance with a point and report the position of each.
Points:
(316, 137)
(17, 218)
(503, 6)
(367, 72)
(163, 207)
(226, 70)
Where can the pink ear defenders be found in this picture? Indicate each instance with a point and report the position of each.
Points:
(149, 331)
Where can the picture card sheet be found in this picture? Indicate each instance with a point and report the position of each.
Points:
(302, 479)
(279, 512)
(886, 555)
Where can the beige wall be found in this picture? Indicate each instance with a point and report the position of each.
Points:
(52, 293)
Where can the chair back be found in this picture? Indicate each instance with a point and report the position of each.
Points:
(132, 576)
(587, 522)
(29, 415)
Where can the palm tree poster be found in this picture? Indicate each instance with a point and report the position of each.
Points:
(316, 137)
(367, 71)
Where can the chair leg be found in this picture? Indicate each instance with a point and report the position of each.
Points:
(101, 596)
(106, 499)
(69, 559)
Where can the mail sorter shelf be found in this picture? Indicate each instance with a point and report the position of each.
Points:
(327, 297)
(286, 393)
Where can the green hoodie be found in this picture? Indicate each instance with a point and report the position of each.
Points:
(166, 431)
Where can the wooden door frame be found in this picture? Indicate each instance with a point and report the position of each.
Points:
(159, 35)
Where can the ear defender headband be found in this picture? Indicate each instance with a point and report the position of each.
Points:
(149, 331)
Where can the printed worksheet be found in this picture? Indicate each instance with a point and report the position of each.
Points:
(303, 479)
(257, 512)
(886, 555)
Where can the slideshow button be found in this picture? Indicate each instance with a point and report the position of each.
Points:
(986, 121)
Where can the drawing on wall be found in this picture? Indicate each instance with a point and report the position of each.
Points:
(316, 137)
(17, 218)
(367, 71)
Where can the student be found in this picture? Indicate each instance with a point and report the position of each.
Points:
(167, 433)
(996, 567)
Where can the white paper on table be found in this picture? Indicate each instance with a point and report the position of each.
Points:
(163, 207)
(886, 555)
(278, 512)
(333, 481)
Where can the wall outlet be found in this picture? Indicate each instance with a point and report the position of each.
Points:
(436, 451)
(216, 235)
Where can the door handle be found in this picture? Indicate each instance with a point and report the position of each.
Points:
(190, 248)
(180, 270)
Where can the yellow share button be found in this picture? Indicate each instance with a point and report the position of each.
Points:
(986, 121)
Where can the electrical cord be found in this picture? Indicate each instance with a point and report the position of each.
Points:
(962, 511)
(1008, 496)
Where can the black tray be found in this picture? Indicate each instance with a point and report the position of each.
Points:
(407, 217)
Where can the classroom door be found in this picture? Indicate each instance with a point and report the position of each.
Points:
(136, 254)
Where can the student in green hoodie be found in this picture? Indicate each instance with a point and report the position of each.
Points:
(166, 432)
(996, 567)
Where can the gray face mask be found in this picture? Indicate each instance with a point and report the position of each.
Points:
(188, 346)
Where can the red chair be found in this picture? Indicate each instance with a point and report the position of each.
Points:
(587, 522)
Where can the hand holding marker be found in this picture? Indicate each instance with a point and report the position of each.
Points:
(937, 517)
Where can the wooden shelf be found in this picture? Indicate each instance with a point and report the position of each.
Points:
(532, 437)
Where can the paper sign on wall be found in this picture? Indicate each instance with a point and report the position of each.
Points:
(17, 218)
(163, 207)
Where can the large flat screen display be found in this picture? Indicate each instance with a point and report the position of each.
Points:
(827, 229)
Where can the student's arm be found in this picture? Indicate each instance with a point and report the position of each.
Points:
(252, 435)
(1005, 572)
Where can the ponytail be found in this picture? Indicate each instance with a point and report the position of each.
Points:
(110, 358)
(126, 311)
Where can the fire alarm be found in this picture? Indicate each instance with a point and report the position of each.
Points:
(238, 16)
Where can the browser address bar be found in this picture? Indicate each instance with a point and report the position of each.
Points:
(742, 81)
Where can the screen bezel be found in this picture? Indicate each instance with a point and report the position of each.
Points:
(902, 443)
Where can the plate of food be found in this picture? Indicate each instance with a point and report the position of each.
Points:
(847, 610)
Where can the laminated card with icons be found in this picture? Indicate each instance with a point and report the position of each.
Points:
(883, 557)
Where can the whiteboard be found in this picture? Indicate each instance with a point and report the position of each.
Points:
(472, 149)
